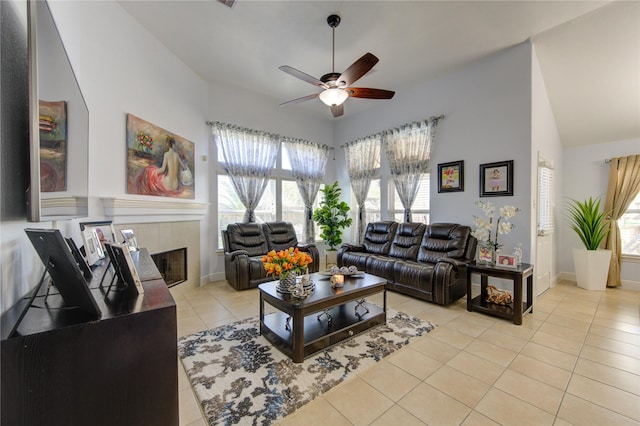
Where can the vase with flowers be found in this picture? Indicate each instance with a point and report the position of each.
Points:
(487, 230)
(286, 264)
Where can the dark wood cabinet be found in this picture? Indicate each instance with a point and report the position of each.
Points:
(121, 369)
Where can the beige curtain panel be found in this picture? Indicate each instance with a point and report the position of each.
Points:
(624, 185)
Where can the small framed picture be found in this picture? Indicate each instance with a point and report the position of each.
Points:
(451, 176)
(484, 254)
(506, 261)
(129, 239)
(496, 179)
(104, 230)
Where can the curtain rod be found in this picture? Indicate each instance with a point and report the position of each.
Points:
(607, 160)
(433, 118)
(211, 123)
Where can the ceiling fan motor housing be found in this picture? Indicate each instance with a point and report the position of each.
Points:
(333, 21)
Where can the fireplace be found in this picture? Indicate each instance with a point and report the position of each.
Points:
(172, 265)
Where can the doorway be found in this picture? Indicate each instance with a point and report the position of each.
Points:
(545, 225)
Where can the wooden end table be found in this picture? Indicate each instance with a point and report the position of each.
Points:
(514, 311)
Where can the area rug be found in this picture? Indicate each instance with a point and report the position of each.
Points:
(241, 379)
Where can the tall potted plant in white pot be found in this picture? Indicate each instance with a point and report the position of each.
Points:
(592, 226)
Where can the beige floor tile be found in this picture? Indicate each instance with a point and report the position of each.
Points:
(555, 342)
(190, 325)
(439, 317)
(613, 345)
(477, 367)
(541, 371)
(509, 410)
(550, 356)
(476, 419)
(415, 363)
(458, 385)
(451, 337)
(491, 352)
(358, 401)
(316, 413)
(564, 331)
(510, 329)
(471, 325)
(577, 411)
(390, 380)
(532, 391)
(508, 342)
(615, 334)
(617, 325)
(435, 349)
(609, 375)
(189, 408)
(395, 416)
(624, 403)
(199, 422)
(434, 407)
(216, 315)
(612, 359)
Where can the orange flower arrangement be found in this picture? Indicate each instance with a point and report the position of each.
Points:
(284, 261)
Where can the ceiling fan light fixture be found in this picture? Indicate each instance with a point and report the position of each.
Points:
(333, 96)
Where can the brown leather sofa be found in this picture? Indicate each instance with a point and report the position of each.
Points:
(245, 244)
(423, 261)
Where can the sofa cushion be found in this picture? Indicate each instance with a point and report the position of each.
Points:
(406, 241)
(381, 266)
(443, 240)
(247, 236)
(355, 258)
(414, 274)
(378, 237)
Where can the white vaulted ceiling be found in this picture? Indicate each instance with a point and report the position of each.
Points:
(589, 51)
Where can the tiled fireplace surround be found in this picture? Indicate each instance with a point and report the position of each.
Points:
(161, 226)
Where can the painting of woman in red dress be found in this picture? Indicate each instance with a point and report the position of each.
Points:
(157, 168)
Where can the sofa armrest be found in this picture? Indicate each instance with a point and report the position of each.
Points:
(457, 264)
(231, 257)
(352, 247)
(449, 280)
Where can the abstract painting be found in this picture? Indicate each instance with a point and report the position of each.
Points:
(158, 162)
(53, 146)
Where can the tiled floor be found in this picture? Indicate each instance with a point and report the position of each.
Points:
(574, 361)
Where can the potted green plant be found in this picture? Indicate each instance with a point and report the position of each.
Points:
(332, 216)
(592, 226)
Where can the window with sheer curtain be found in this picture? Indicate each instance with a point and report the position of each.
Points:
(421, 206)
(629, 225)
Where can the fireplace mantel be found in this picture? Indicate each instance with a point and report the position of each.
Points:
(181, 210)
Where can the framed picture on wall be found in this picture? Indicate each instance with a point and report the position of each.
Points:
(496, 179)
(451, 176)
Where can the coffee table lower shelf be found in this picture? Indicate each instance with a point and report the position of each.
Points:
(319, 334)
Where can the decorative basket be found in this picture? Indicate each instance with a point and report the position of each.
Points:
(498, 296)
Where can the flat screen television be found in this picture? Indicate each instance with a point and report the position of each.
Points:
(63, 270)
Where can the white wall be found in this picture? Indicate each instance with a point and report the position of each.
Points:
(487, 108)
(585, 174)
(545, 141)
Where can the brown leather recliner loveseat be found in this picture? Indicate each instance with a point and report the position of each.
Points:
(423, 261)
(245, 244)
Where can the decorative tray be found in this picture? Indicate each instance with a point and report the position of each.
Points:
(308, 289)
(346, 274)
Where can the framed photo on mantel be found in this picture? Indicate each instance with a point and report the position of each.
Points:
(496, 179)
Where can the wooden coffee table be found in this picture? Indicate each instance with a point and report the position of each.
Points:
(328, 316)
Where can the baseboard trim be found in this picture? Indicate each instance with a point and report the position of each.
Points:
(626, 284)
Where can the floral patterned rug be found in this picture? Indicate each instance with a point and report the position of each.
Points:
(240, 378)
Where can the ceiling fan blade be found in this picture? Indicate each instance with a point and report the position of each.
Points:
(303, 76)
(302, 99)
(361, 92)
(357, 69)
(337, 110)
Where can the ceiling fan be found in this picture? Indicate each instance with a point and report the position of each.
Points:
(337, 87)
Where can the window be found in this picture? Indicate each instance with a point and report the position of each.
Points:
(231, 210)
(629, 225)
(372, 203)
(293, 207)
(421, 206)
(545, 199)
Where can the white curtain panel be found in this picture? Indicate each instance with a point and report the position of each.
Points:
(308, 165)
(408, 149)
(363, 158)
(249, 157)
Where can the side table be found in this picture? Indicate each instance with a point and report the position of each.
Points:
(513, 311)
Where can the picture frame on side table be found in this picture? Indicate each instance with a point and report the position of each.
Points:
(451, 176)
(130, 239)
(506, 261)
(125, 268)
(496, 179)
(92, 247)
(104, 229)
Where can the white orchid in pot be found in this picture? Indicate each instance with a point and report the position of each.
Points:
(487, 231)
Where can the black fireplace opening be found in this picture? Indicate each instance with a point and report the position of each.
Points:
(172, 265)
